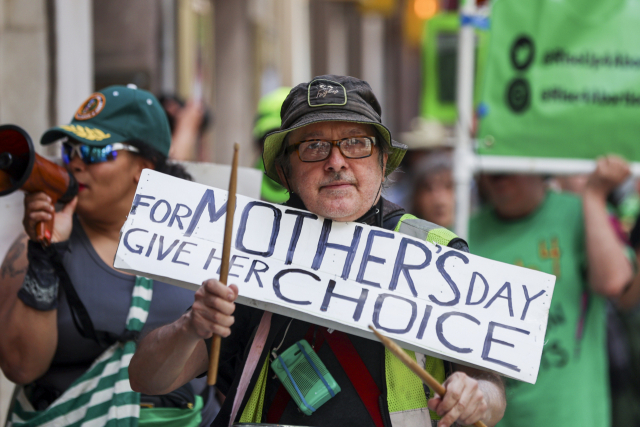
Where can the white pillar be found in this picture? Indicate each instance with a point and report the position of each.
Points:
(74, 56)
(234, 82)
(464, 155)
(24, 67)
(337, 46)
(372, 65)
(168, 80)
(300, 42)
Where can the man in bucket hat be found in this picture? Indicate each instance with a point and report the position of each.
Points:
(333, 154)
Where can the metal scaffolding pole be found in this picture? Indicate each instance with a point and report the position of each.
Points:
(539, 165)
(463, 155)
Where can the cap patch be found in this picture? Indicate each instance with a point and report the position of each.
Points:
(326, 92)
(91, 107)
(91, 134)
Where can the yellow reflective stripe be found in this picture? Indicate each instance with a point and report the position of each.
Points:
(404, 388)
(252, 412)
(405, 391)
(440, 236)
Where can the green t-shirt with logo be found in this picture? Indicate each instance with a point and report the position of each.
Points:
(572, 387)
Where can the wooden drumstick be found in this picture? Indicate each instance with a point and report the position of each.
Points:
(214, 354)
(415, 368)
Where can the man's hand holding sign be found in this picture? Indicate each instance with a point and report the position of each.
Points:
(432, 382)
(339, 265)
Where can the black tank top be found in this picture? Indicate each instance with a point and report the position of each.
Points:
(106, 294)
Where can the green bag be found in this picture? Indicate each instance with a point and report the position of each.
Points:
(172, 417)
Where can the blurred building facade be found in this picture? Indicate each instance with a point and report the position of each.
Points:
(46, 61)
(53, 53)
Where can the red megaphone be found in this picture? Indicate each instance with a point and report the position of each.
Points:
(21, 167)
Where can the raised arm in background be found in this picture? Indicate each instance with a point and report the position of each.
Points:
(610, 270)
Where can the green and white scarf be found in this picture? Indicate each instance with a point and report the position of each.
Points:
(102, 396)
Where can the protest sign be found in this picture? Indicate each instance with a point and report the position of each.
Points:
(562, 80)
(346, 276)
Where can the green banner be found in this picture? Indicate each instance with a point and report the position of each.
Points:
(439, 66)
(562, 79)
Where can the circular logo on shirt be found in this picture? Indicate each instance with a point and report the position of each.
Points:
(91, 107)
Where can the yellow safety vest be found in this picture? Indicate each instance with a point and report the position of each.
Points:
(406, 399)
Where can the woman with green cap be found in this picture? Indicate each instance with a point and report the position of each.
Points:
(70, 320)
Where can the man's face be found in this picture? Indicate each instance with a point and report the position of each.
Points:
(513, 195)
(337, 188)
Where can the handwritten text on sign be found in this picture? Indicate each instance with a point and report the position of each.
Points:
(431, 299)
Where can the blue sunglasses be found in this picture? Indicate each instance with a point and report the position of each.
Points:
(90, 154)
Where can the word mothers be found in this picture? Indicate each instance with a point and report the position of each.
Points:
(344, 275)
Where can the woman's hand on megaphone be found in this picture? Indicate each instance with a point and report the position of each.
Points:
(38, 207)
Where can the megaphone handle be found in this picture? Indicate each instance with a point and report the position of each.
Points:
(44, 230)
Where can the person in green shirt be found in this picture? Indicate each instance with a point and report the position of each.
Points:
(570, 237)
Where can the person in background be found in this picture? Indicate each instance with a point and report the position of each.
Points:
(64, 309)
(624, 349)
(424, 138)
(572, 238)
(433, 196)
(623, 325)
(188, 123)
(267, 121)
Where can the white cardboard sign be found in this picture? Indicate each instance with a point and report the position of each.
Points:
(346, 276)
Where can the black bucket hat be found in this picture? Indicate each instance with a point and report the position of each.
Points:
(325, 99)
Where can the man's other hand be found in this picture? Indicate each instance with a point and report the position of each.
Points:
(212, 310)
(463, 402)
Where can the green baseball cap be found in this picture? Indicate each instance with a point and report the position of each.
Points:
(325, 99)
(117, 114)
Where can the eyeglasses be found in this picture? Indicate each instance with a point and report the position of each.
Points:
(90, 154)
(317, 150)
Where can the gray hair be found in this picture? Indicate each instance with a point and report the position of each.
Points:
(435, 162)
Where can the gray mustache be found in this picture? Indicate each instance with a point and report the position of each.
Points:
(339, 177)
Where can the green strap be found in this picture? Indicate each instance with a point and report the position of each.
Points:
(140, 303)
(252, 412)
(102, 396)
